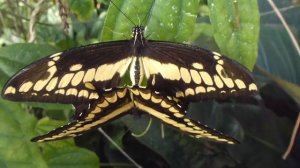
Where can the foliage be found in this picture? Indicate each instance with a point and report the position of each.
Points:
(263, 128)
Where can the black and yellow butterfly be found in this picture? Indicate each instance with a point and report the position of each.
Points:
(105, 81)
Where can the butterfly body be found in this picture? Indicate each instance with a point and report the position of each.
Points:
(108, 80)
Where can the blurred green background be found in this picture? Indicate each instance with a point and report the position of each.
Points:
(248, 31)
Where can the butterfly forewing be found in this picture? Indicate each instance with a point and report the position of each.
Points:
(72, 76)
(194, 73)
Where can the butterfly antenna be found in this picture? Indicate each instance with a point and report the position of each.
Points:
(139, 20)
(123, 13)
(148, 14)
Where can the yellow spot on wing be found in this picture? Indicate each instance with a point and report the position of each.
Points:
(145, 95)
(55, 55)
(76, 67)
(77, 78)
(10, 90)
(132, 72)
(155, 99)
(167, 71)
(122, 93)
(173, 110)
(90, 116)
(151, 66)
(72, 91)
(221, 62)
(200, 89)
(83, 93)
(228, 81)
(40, 84)
(96, 110)
(89, 75)
(218, 81)
(124, 66)
(197, 65)
(189, 91)
(111, 98)
(107, 71)
(179, 94)
(252, 86)
(164, 104)
(55, 58)
(25, 86)
(51, 63)
(60, 91)
(178, 115)
(195, 76)
(134, 91)
(65, 80)
(209, 89)
(94, 95)
(185, 75)
(216, 57)
(170, 71)
(217, 54)
(51, 85)
(89, 86)
(103, 104)
(206, 78)
(100, 73)
(240, 84)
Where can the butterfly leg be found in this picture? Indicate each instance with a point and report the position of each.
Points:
(171, 113)
(111, 105)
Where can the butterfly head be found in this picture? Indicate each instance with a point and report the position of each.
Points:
(138, 34)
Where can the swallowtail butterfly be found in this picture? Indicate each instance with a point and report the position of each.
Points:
(108, 80)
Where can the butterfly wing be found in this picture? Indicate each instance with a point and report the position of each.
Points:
(169, 112)
(72, 76)
(109, 106)
(194, 73)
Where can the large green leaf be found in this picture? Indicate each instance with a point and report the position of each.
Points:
(236, 29)
(170, 20)
(277, 53)
(18, 127)
(83, 9)
(17, 56)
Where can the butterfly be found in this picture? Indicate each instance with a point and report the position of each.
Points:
(105, 81)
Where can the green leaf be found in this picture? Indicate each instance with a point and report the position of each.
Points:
(236, 29)
(169, 20)
(17, 56)
(72, 157)
(83, 9)
(276, 49)
(18, 127)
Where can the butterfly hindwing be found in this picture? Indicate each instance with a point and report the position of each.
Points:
(72, 76)
(171, 113)
(194, 73)
(110, 106)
